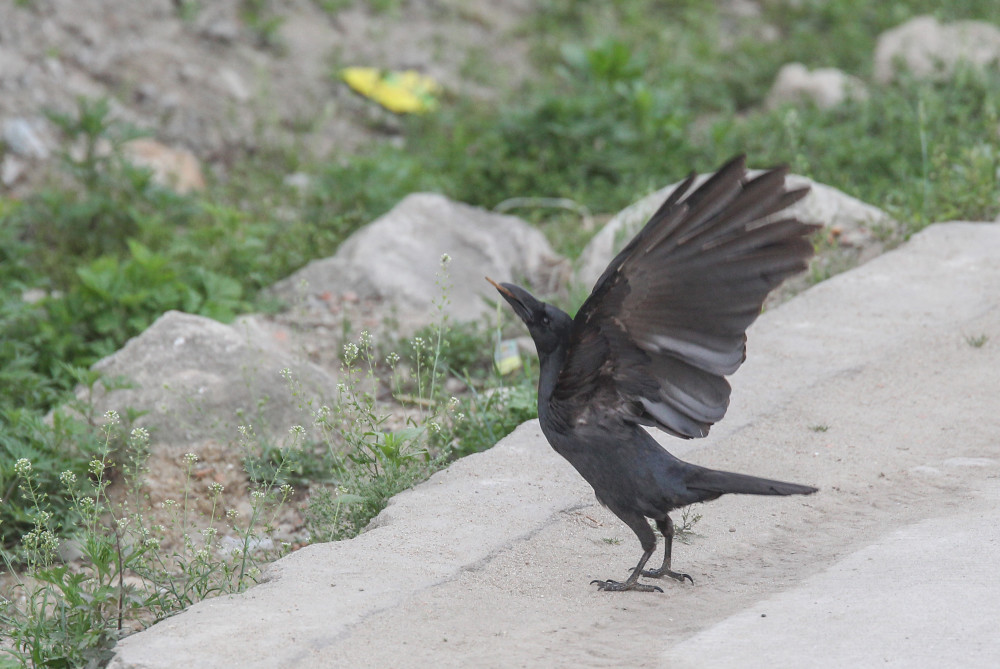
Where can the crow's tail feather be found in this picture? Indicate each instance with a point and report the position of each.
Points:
(714, 481)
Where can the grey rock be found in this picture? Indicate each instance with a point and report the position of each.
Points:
(396, 260)
(198, 378)
(825, 87)
(927, 48)
(850, 221)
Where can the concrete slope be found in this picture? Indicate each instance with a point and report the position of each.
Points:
(867, 385)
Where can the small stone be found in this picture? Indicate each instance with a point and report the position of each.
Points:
(173, 168)
(825, 87)
(222, 30)
(11, 170)
(233, 83)
(23, 139)
(300, 181)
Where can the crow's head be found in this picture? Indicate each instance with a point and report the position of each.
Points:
(548, 325)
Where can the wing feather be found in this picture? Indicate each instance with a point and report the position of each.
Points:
(666, 321)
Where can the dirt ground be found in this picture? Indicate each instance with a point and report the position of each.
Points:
(219, 78)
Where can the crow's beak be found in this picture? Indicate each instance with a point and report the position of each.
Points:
(523, 303)
(503, 291)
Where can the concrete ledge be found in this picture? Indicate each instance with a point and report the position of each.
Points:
(864, 385)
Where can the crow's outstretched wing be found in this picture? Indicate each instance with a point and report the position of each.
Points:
(667, 320)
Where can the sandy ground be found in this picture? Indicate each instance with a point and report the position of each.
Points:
(866, 385)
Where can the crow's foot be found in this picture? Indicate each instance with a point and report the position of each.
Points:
(617, 586)
(660, 573)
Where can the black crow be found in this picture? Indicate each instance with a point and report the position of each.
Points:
(652, 345)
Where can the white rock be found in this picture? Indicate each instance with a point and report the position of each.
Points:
(397, 259)
(854, 222)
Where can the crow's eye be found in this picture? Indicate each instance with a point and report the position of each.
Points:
(545, 320)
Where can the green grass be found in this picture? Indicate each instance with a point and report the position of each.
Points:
(629, 96)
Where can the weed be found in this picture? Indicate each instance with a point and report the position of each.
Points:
(64, 615)
(684, 530)
(265, 24)
(383, 453)
(819, 427)
(187, 10)
(67, 445)
(977, 341)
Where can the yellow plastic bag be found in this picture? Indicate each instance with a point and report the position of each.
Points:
(506, 357)
(405, 92)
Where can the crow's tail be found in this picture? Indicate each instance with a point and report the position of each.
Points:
(721, 483)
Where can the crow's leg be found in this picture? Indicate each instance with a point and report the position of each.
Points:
(631, 583)
(666, 527)
(648, 541)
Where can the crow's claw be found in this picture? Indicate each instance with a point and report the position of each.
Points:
(660, 573)
(617, 586)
